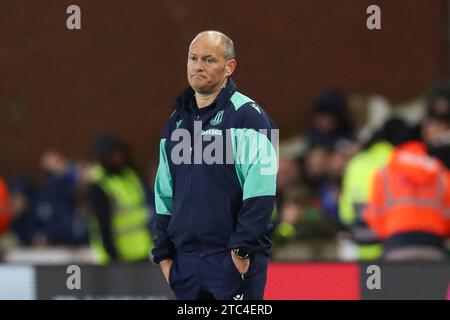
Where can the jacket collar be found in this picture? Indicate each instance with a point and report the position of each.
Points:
(183, 101)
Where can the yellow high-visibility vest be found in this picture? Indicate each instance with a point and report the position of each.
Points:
(130, 217)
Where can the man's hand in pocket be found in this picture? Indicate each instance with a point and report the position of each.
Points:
(166, 265)
(241, 264)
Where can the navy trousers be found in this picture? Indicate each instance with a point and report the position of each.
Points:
(215, 277)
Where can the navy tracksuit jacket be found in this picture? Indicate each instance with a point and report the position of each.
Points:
(206, 209)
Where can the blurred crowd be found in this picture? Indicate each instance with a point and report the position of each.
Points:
(368, 181)
(101, 203)
(365, 181)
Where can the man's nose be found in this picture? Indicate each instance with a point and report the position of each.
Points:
(198, 66)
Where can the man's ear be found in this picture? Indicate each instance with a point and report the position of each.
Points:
(229, 67)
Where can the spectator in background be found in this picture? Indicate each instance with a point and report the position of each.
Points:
(329, 191)
(314, 168)
(308, 188)
(331, 128)
(302, 230)
(288, 178)
(436, 127)
(356, 187)
(23, 205)
(408, 207)
(287, 184)
(57, 220)
(330, 122)
(119, 225)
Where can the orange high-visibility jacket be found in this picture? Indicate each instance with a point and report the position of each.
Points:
(411, 194)
(5, 212)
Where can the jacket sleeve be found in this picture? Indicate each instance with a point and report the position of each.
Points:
(256, 165)
(102, 210)
(373, 212)
(163, 246)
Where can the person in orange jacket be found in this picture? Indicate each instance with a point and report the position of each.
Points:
(5, 209)
(409, 208)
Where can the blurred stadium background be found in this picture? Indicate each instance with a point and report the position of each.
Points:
(328, 82)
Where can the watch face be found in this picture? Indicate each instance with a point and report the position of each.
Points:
(243, 253)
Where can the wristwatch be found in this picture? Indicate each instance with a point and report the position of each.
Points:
(241, 253)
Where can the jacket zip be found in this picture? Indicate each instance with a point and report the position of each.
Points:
(190, 182)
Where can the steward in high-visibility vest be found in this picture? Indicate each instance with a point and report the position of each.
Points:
(409, 208)
(119, 228)
(356, 189)
(129, 217)
(357, 183)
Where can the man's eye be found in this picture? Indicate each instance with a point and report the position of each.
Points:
(209, 60)
(193, 58)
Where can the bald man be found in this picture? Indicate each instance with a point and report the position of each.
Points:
(215, 185)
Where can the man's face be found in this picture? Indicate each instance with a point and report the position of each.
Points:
(207, 68)
(115, 159)
(325, 123)
(433, 130)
